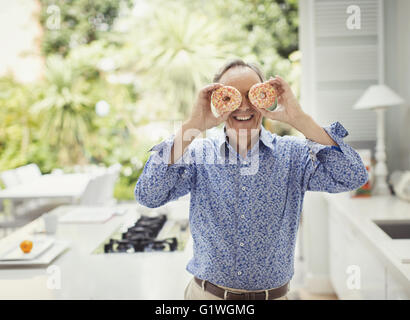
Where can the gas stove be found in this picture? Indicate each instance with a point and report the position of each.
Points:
(142, 237)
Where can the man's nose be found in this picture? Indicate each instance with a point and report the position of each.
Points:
(244, 106)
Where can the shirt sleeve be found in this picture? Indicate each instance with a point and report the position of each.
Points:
(161, 182)
(326, 168)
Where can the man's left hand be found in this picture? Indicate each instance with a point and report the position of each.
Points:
(288, 109)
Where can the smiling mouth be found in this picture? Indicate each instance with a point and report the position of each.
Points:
(243, 118)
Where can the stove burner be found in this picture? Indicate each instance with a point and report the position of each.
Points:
(142, 237)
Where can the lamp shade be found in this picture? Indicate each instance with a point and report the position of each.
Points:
(378, 96)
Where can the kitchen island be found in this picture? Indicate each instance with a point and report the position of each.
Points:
(82, 274)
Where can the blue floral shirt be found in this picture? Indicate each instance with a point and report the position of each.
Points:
(244, 212)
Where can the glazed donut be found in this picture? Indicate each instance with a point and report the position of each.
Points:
(262, 95)
(225, 99)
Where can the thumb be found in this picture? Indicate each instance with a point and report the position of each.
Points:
(223, 117)
(273, 115)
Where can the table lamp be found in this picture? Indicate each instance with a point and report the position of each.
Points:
(379, 98)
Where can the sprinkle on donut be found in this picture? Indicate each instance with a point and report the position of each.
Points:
(262, 95)
(225, 99)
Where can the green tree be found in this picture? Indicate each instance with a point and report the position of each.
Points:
(76, 22)
(65, 109)
(17, 124)
(246, 18)
(174, 53)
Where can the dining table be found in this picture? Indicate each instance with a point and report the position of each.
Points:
(48, 186)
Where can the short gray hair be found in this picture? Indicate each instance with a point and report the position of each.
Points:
(238, 63)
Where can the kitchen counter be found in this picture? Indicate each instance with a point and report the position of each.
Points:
(142, 275)
(359, 213)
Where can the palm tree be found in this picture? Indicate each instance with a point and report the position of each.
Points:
(18, 127)
(66, 109)
(176, 53)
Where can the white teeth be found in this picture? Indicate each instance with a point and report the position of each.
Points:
(243, 118)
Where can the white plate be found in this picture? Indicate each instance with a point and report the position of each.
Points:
(44, 259)
(40, 245)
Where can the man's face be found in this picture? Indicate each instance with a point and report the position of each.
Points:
(246, 117)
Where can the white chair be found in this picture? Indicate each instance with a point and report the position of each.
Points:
(114, 168)
(10, 178)
(28, 173)
(93, 190)
(100, 189)
(114, 173)
(107, 194)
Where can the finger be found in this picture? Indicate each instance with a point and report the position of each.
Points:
(275, 82)
(273, 115)
(207, 90)
(223, 117)
(277, 86)
(281, 80)
(264, 113)
(280, 91)
(212, 87)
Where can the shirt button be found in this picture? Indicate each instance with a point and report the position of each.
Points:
(239, 273)
(241, 244)
(243, 188)
(243, 216)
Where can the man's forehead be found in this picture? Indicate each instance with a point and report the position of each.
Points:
(240, 77)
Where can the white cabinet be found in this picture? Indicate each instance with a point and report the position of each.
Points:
(338, 261)
(361, 260)
(355, 272)
(396, 290)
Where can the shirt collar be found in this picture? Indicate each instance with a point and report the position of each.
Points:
(264, 135)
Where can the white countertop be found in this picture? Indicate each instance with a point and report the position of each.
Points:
(145, 275)
(361, 211)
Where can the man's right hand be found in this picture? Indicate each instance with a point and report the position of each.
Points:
(200, 120)
(202, 117)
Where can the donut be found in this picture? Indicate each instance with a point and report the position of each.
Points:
(225, 99)
(262, 95)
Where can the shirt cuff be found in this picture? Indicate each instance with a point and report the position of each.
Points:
(159, 166)
(337, 132)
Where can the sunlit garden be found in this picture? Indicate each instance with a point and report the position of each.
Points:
(117, 75)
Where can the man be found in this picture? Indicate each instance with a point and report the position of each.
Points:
(247, 186)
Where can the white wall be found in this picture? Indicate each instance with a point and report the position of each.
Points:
(397, 55)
